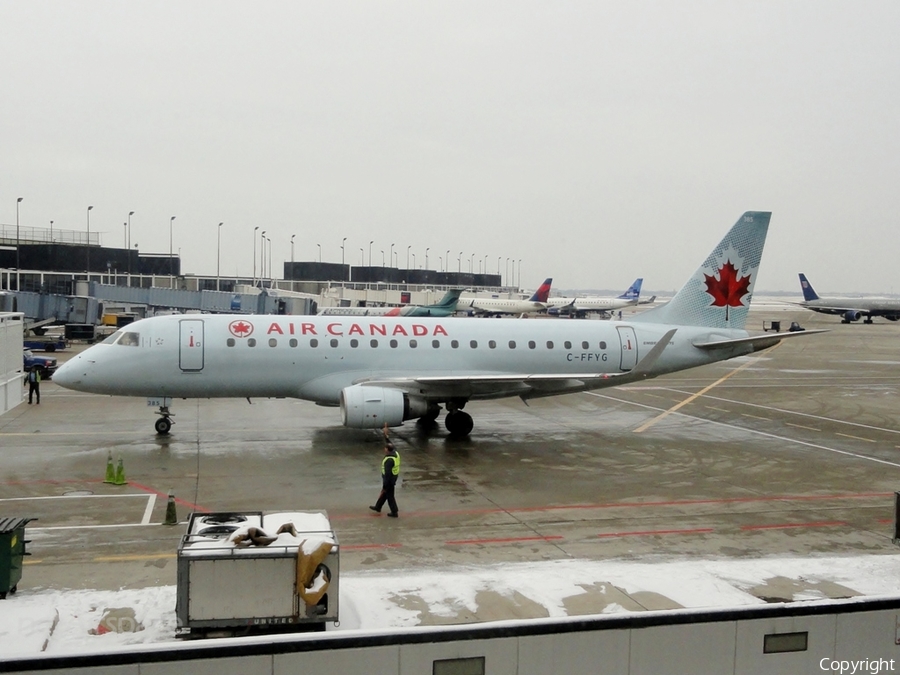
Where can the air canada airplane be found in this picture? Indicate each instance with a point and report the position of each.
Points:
(536, 303)
(446, 306)
(580, 307)
(390, 369)
(850, 309)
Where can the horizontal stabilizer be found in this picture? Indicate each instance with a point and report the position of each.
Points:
(757, 342)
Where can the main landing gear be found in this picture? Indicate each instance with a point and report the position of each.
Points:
(458, 423)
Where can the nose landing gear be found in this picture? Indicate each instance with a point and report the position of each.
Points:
(164, 423)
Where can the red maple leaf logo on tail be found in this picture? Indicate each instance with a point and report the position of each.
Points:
(728, 290)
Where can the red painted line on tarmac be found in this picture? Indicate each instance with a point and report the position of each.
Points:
(366, 547)
(643, 533)
(165, 495)
(785, 526)
(505, 540)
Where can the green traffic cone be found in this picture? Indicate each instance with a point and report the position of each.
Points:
(171, 517)
(110, 470)
(120, 474)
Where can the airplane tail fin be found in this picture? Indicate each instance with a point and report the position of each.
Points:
(809, 292)
(450, 299)
(718, 294)
(634, 291)
(543, 291)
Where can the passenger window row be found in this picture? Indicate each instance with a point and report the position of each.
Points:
(413, 343)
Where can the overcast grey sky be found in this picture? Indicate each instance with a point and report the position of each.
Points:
(595, 141)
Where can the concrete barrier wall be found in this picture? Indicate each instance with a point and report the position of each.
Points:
(858, 633)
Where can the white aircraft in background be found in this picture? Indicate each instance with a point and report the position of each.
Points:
(580, 307)
(446, 306)
(849, 309)
(390, 369)
(536, 303)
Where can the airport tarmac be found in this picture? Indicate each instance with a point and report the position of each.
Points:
(794, 451)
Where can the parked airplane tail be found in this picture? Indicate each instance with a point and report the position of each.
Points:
(633, 292)
(543, 291)
(809, 292)
(718, 294)
(449, 300)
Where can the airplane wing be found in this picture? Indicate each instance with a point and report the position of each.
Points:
(482, 387)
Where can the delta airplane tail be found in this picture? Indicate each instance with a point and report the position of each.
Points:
(543, 292)
(633, 293)
(718, 294)
(809, 293)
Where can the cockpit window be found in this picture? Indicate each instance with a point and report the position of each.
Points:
(112, 338)
(130, 339)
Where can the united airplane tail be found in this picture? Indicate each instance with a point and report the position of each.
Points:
(543, 291)
(633, 292)
(718, 294)
(809, 293)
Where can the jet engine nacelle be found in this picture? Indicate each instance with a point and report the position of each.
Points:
(851, 315)
(365, 407)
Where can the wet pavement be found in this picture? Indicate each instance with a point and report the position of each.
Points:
(795, 451)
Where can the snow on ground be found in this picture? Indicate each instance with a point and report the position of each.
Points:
(66, 622)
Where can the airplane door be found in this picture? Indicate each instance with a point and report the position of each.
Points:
(190, 353)
(629, 347)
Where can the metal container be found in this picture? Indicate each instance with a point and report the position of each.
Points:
(227, 587)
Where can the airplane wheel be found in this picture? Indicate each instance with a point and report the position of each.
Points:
(459, 423)
(163, 425)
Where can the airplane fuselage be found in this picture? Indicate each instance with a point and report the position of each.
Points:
(314, 358)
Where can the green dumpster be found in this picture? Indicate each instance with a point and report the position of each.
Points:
(12, 551)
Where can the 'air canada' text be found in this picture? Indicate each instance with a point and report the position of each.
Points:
(337, 328)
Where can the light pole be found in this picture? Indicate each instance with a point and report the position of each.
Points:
(254, 254)
(414, 261)
(427, 248)
(370, 252)
(519, 275)
(292, 257)
(18, 201)
(125, 235)
(441, 261)
(447, 258)
(218, 252)
(362, 257)
(320, 252)
(472, 264)
(262, 256)
(342, 249)
(459, 263)
(485, 263)
(87, 258)
(269, 268)
(391, 256)
(498, 266)
(382, 257)
(171, 260)
(407, 255)
(506, 275)
(51, 231)
(128, 243)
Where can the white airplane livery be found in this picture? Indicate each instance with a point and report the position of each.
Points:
(583, 305)
(495, 306)
(390, 369)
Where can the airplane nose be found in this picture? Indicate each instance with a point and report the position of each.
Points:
(69, 374)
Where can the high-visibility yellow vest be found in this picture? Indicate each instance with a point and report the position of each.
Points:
(396, 458)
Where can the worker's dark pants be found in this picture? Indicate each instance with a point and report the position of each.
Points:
(34, 388)
(387, 494)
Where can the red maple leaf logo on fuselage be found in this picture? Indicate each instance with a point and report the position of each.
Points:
(728, 290)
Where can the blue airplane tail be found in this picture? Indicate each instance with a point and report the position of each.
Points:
(718, 294)
(809, 292)
(543, 291)
(633, 292)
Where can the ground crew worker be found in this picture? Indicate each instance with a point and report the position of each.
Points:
(33, 379)
(390, 469)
